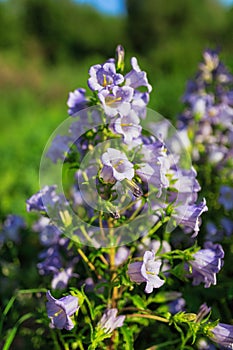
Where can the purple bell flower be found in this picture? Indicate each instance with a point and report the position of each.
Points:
(116, 166)
(110, 321)
(146, 271)
(127, 126)
(60, 310)
(116, 101)
(104, 76)
(206, 264)
(188, 216)
(222, 334)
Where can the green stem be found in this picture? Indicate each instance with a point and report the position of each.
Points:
(152, 317)
(157, 226)
(88, 262)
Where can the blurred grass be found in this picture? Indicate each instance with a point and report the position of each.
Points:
(33, 104)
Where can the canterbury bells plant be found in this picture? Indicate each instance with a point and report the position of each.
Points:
(120, 215)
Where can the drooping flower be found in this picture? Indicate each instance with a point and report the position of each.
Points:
(206, 264)
(110, 321)
(60, 310)
(188, 216)
(146, 271)
(104, 76)
(222, 334)
(77, 101)
(116, 166)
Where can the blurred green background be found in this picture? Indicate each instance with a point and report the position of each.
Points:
(47, 47)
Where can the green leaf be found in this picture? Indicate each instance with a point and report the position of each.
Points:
(128, 337)
(13, 331)
(138, 302)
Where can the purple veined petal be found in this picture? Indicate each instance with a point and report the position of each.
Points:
(110, 321)
(146, 271)
(70, 304)
(116, 166)
(104, 76)
(222, 334)
(155, 282)
(117, 101)
(127, 126)
(134, 272)
(59, 310)
(137, 78)
(206, 264)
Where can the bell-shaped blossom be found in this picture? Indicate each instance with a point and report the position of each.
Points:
(203, 311)
(127, 126)
(110, 321)
(188, 216)
(222, 334)
(116, 101)
(137, 78)
(206, 264)
(77, 101)
(104, 76)
(146, 271)
(116, 166)
(60, 310)
(226, 197)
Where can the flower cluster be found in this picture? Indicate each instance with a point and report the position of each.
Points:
(133, 201)
(208, 122)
